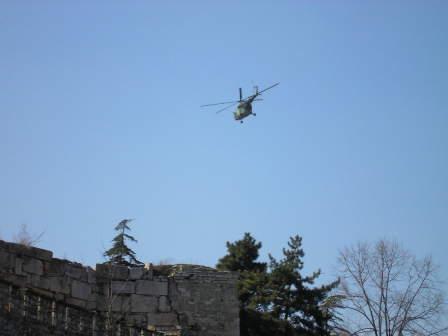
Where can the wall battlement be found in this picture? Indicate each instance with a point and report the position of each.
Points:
(42, 295)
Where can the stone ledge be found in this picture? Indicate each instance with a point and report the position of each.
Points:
(19, 281)
(23, 250)
(115, 272)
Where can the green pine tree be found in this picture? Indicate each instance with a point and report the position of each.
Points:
(291, 297)
(120, 253)
(242, 256)
(274, 298)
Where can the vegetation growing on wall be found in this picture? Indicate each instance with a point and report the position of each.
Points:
(120, 253)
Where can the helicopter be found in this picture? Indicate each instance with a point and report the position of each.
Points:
(244, 108)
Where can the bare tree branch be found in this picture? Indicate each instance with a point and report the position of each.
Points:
(25, 237)
(387, 291)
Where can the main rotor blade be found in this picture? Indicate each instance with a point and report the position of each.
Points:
(268, 88)
(259, 92)
(235, 102)
(227, 107)
(221, 103)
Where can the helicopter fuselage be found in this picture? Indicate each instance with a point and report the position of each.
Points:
(243, 110)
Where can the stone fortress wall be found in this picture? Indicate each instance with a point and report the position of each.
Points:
(42, 295)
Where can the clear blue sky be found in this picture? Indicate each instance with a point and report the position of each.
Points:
(100, 121)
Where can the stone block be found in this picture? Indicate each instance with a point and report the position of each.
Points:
(146, 287)
(55, 284)
(80, 290)
(58, 296)
(18, 249)
(115, 272)
(92, 297)
(53, 268)
(33, 266)
(162, 319)
(100, 304)
(123, 287)
(125, 304)
(121, 273)
(3, 245)
(149, 268)
(138, 321)
(113, 304)
(163, 307)
(40, 254)
(144, 304)
(135, 273)
(91, 274)
(7, 260)
(84, 274)
(155, 288)
(102, 270)
(162, 288)
(42, 292)
(73, 272)
(65, 285)
(91, 305)
(18, 266)
(38, 281)
(16, 280)
(75, 302)
(105, 289)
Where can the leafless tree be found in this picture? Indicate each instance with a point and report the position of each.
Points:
(113, 305)
(387, 291)
(25, 237)
(116, 306)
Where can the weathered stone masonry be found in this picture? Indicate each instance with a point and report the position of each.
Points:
(42, 295)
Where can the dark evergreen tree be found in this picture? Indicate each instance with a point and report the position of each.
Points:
(290, 297)
(120, 253)
(274, 298)
(242, 255)
(242, 258)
